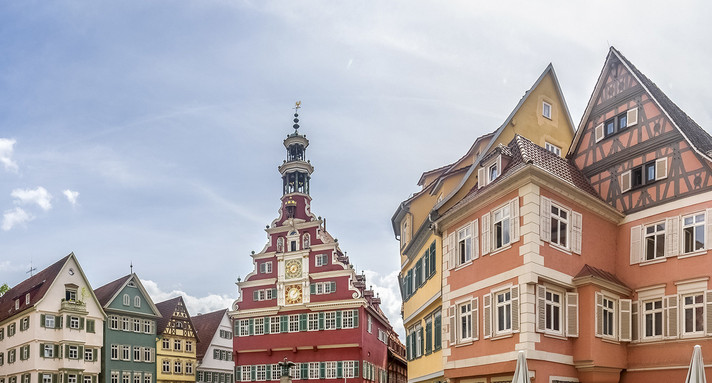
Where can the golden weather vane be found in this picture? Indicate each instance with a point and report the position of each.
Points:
(298, 105)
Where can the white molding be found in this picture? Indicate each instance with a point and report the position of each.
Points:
(687, 202)
(430, 376)
(422, 307)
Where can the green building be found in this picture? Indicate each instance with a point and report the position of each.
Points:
(129, 353)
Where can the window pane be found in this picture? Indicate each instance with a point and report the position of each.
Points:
(563, 234)
(699, 237)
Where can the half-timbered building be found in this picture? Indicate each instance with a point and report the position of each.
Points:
(304, 301)
(176, 343)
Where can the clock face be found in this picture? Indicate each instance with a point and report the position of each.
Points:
(293, 294)
(293, 268)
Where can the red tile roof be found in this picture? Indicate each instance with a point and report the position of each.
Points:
(167, 308)
(106, 292)
(590, 271)
(206, 325)
(36, 285)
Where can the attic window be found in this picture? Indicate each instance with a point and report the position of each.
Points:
(553, 148)
(131, 284)
(17, 304)
(546, 110)
(27, 298)
(492, 172)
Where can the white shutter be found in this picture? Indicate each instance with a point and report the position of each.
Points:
(540, 308)
(453, 325)
(632, 117)
(671, 318)
(598, 132)
(572, 328)
(545, 214)
(708, 296)
(708, 218)
(514, 290)
(635, 248)
(485, 234)
(475, 239)
(624, 319)
(599, 314)
(450, 251)
(576, 232)
(487, 316)
(475, 319)
(672, 236)
(635, 324)
(661, 168)
(514, 220)
(481, 177)
(625, 181)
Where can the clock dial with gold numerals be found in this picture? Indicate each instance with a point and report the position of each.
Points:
(293, 294)
(293, 268)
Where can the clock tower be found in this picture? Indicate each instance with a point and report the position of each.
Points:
(303, 300)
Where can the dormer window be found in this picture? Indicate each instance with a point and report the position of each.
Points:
(489, 171)
(17, 304)
(27, 298)
(492, 172)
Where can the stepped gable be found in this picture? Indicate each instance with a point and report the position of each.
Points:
(106, 292)
(36, 285)
(207, 325)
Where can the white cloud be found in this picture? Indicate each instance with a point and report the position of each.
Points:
(386, 286)
(196, 305)
(15, 217)
(71, 196)
(6, 145)
(40, 196)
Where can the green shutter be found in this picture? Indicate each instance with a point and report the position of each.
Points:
(267, 325)
(339, 369)
(236, 327)
(428, 337)
(251, 326)
(338, 319)
(41, 353)
(437, 333)
(81, 352)
(93, 352)
(356, 369)
(312, 288)
(56, 350)
(81, 323)
(322, 370)
(253, 373)
(91, 324)
(58, 322)
(238, 373)
(321, 321)
(283, 323)
(303, 322)
(304, 367)
(356, 318)
(54, 378)
(407, 347)
(66, 355)
(42, 324)
(255, 295)
(422, 340)
(269, 372)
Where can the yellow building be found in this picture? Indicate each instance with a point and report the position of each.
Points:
(541, 116)
(176, 343)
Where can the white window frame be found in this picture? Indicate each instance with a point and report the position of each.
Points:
(274, 325)
(49, 321)
(552, 148)
(313, 370)
(558, 220)
(48, 351)
(694, 225)
(347, 319)
(330, 320)
(550, 312)
(656, 314)
(330, 370)
(177, 367)
(74, 322)
(502, 308)
(137, 301)
(244, 327)
(321, 260)
(188, 346)
(464, 244)
(258, 326)
(609, 315)
(692, 306)
(127, 300)
(347, 369)
(88, 354)
(656, 234)
(313, 322)
(166, 366)
(418, 334)
(293, 324)
(73, 352)
(546, 109)
(266, 267)
(245, 373)
(464, 321)
(504, 221)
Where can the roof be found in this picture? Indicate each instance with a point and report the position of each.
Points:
(37, 285)
(106, 292)
(693, 133)
(206, 325)
(167, 308)
(590, 271)
(526, 153)
(498, 132)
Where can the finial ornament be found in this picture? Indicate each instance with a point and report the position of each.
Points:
(298, 105)
(296, 108)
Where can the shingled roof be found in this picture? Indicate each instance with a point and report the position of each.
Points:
(167, 308)
(106, 292)
(590, 271)
(36, 285)
(206, 325)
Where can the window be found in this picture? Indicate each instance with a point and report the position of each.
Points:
(113, 322)
(11, 329)
(73, 352)
(313, 322)
(306, 241)
(404, 232)
(189, 368)
(188, 346)
(25, 352)
(125, 324)
(114, 377)
(127, 300)
(48, 351)
(465, 311)
(88, 355)
(70, 295)
(266, 267)
(553, 312)
(136, 353)
(313, 370)
(125, 352)
(503, 311)
(114, 352)
(147, 378)
(74, 322)
(501, 235)
(261, 372)
(294, 322)
(167, 367)
(608, 311)
(370, 324)
(347, 319)
(259, 326)
(147, 326)
(72, 378)
(643, 175)
(330, 370)
(693, 314)
(147, 354)
(464, 244)
(137, 301)
(177, 367)
(546, 110)
(137, 325)
(46, 378)
(559, 225)
(321, 260)
(655, 241)
(177, 345)
(166, 344)
(653, 318)
(24, 323)
(616, 124)
(274, 325)
(693, 231)
(136, 378)
(492, 172)
(553, 148)
(417, 336)
(11, 356)
(330, 320)
(245, 373)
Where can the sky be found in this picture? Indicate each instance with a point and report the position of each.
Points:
(149, 133)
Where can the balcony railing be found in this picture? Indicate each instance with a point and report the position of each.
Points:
(74, 306)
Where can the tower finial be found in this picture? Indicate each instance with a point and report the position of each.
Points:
(296, 108)
(131, 266)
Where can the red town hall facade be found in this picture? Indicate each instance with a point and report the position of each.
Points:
(304, 301)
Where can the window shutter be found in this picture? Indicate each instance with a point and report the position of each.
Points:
(635, 324)
(487, 316)
(540, 308)
(631, 117)
(268, 373)
(572, 328)
(481, 177)
(450, 251)
(475, 239)
(661, 168)
(81, 323)
(708, 217)
(422, 340)
(545, 214)
(514, 220)
(475, 319)
(356, 372)
(428, 337)
(66, 351)
(485, 234)
(56, 350)
(672, 236)
(625, 181)
(42, 320)
(305, 370)
(598, 132)
(599, 314)
(635, 248)
(322, 370)
(283, 323)
(355, 318)
(267, 328)
(94, 352)
(576, 232)
(338, 319)
(453, 325)
(255, 295)
(671, 321)
(251, 326)
(339, 369)
(708, 296)
(253, 373)
(302, 322)
(408, 351)
(312, 289)
(58, 322)
(321, 321)
(81, 352)
(624, 319)
(515, 308)
(42, 350)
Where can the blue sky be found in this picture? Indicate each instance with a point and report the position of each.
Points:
(151, 132)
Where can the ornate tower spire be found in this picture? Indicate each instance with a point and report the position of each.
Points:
(296, 170)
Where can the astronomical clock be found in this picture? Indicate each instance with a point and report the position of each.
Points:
(293, 294)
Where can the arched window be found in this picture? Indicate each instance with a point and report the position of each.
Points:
(127, 300)
(137, 301)
(306, 241)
